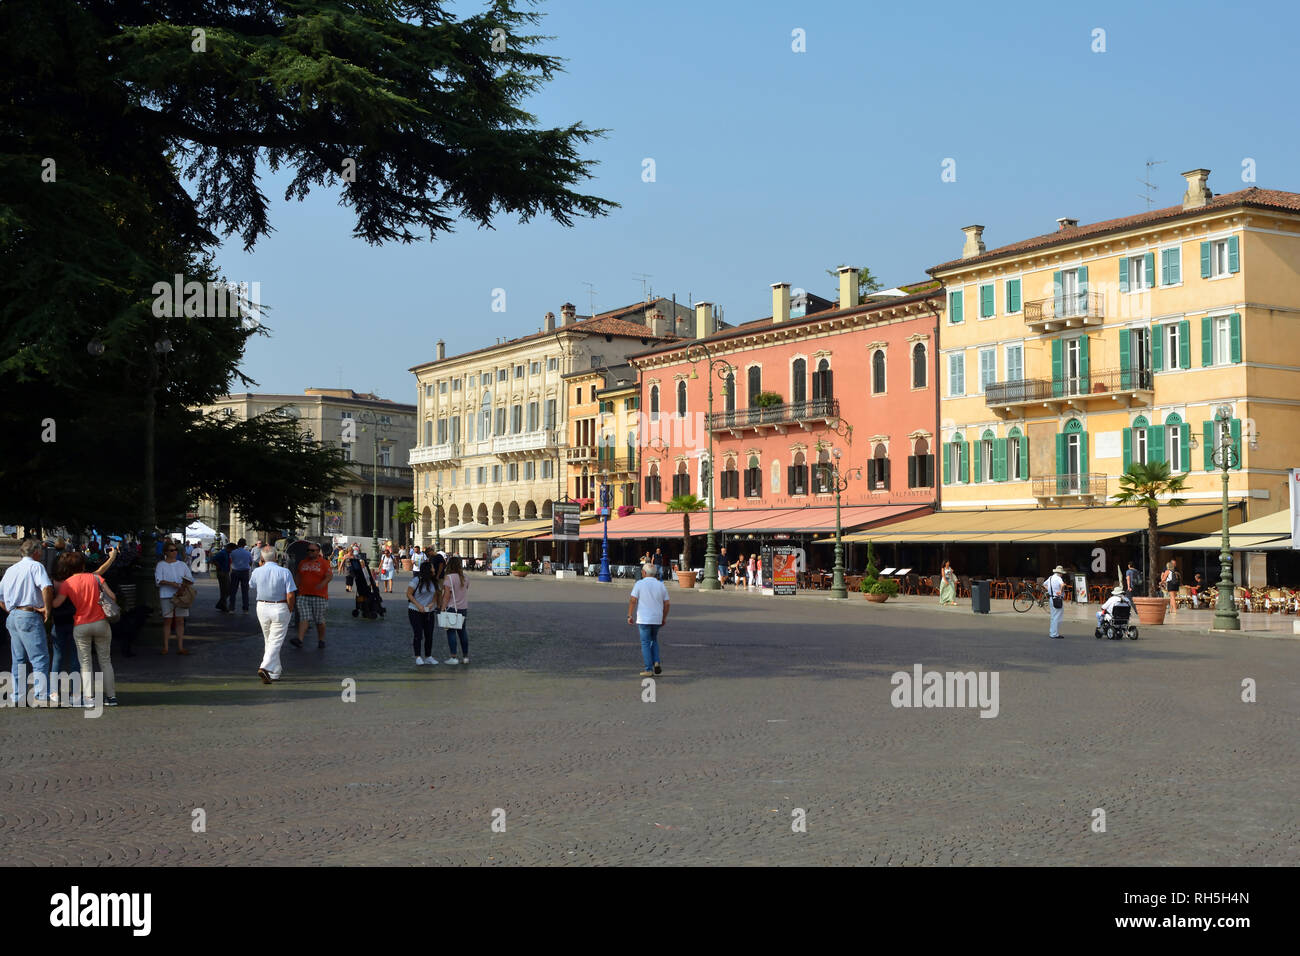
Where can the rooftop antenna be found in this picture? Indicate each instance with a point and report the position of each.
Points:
(644, 277)
(591, 297)
(1146, 181)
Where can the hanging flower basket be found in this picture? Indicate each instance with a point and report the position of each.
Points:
(625, 510)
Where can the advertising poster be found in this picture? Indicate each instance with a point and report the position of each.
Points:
(500, 555)
(785, 566)
(565, 521)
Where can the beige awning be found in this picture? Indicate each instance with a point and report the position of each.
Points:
(1269, 533)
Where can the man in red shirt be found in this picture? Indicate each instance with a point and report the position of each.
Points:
(313, 577)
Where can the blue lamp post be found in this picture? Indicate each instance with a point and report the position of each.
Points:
(604, 517)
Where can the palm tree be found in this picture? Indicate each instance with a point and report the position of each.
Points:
(686, 504)
(1142, 485)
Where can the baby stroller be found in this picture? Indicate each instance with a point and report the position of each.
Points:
(368, 602)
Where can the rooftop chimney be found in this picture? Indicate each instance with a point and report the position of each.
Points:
(974, 241)
(1198, 191)
(1065, 223)
(568, 312)
(780, 302)
(548, 323)
(848, 287)
(442, 350)
(703, 319)
(656, 323)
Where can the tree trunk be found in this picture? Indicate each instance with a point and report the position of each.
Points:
(686, 539)
(1151, 554)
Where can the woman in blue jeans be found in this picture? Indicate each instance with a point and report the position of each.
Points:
(455, 594)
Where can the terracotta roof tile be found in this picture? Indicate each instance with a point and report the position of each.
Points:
(1253, 197)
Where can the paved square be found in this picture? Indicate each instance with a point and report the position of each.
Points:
(766, 706)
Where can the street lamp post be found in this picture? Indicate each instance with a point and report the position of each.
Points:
(371, 420)
(695, 354)
(841, 480)
(437, 518)
(1225, 456)
(604, 517)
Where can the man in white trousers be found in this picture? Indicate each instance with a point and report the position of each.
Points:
(276, 593)
(1056, 599)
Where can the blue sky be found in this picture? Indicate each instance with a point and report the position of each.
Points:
(772, 165)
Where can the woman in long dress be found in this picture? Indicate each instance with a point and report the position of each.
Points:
(947, 585)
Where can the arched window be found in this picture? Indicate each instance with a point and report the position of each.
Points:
(731, 391)
(654, 408)
(753, 479)
(799, 381)
(956, 461)
(1138, 441)
(1177, 444)
(681, 399)
(878, 371)
(986, 468)
(485, 415)
(878, 468)
(584, 485)
(920, 466)
(919, 367)
(730, 480)
(652, 489)
(682, 480)
(1017, 455)
(755, 384)
(822, 474)
(1071, 458)
(797, 480)
(822, 391)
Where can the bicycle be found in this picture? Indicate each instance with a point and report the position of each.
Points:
(1028, 596)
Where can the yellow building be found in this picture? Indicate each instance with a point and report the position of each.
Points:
(1066, 356)
(604, 405)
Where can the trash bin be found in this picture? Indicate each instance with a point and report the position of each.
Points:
(979, 596)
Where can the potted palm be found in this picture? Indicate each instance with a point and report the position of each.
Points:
(1142, 486)
(520, 569)
(686, 504)
(873, 589)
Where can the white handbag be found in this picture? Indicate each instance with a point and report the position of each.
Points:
(451, 620)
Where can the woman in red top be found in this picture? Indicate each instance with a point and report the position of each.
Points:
(90, 627)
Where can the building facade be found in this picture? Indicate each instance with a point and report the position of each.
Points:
(494, 422)
(604, 406)
(371, 432)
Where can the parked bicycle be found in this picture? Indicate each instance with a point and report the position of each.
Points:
(1028, 596)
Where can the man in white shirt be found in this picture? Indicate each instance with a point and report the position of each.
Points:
(1055, 597)
(276, 593)
(648, 609)
(27, 593)
(1117, 597)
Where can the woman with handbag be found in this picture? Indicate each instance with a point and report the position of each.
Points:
(422, 605)
(93, 602)
(175, 594)
(455, 593)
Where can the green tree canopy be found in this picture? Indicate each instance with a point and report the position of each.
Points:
(1143, 485)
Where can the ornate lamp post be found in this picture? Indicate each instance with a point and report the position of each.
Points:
(719, 367)
(1225, 456)
(604, 575)
(841, 481)
(437, 517)
(369, 420)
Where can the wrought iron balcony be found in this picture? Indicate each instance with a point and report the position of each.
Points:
(424, 454)
(1120, 387)
(1069, 486)
(1065, 311)
(776, 416)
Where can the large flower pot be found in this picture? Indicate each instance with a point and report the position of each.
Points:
(408, 564)
(876, 598)
(1151, 610)
(686, 579)
(520, 574)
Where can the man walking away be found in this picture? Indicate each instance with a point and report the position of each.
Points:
(314, 575)
(1056, 594)
(241, 562)
(1130, 580)
(275, 601)
(27, 593)
(220, 562)
(648, 609)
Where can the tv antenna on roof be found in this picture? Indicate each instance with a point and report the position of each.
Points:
(646, 288)
(591, 297)
(1147, 183)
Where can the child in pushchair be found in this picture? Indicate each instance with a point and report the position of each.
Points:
(368, 602)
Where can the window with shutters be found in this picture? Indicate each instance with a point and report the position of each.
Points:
(1017, 456)
(988, 367)
(878, 372)
(986, 301)
(984, 457)
(920, 369)
(753, 479)
(1221, 339)
(729, 392)
(533, 418)
(799, 381)
(1013, 296)
(1137, 273)
(823, 382)
(1172, 339)
(822, 474)
(654, 412)
(797, 483)
(442, 431)
(428, 433)
(920, 466)
(535, 368)
(730, 480)
(681, 399)
(957, 373)
(956, 460)
(512, 471)
(1015, 363)
(1219, 258)
(878, 469)
(681, 480)
(1139, 453)
(548, 468)
(516, 419)
(954, 307)
(496, 474)
(552, 364)
(502, 374)
(1175, 436)
(530, 470)
(1171, 266)
(481, 477)
(755, 384)
(519, 371)
(501, 421)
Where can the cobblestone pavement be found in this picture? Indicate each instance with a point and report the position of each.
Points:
(766, 706)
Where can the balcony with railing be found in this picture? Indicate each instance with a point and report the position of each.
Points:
(617, 464)
(778, 417)
(1119, 388)
(580, 453)
(1065, 311)
(523, 444)
(427, 454)
(1049, 487)
(383, 474)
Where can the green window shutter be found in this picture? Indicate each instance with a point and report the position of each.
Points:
(1125, 376)
(1235, 425)
(1123, 274)
(1083, 280)
(965, 463)
(1185, 445)
(1024, 456)
(1128, 448)
(1205, 260)
(1083, 453)
(1207, 444)
(1058, 382)
(1234, 335)
(946, 472)
(1164, 268)
(1185, 344)
(1013, 295)
(1172, 266)
(979, 462)
(999, 459)
(1057, 297)
(954, 307)
(1151, 267)
(1156, 443)
(1085, 367)
(1234, 259)
(986, 301)
(1157, 348)
(1207, 343)
(1060, 454)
